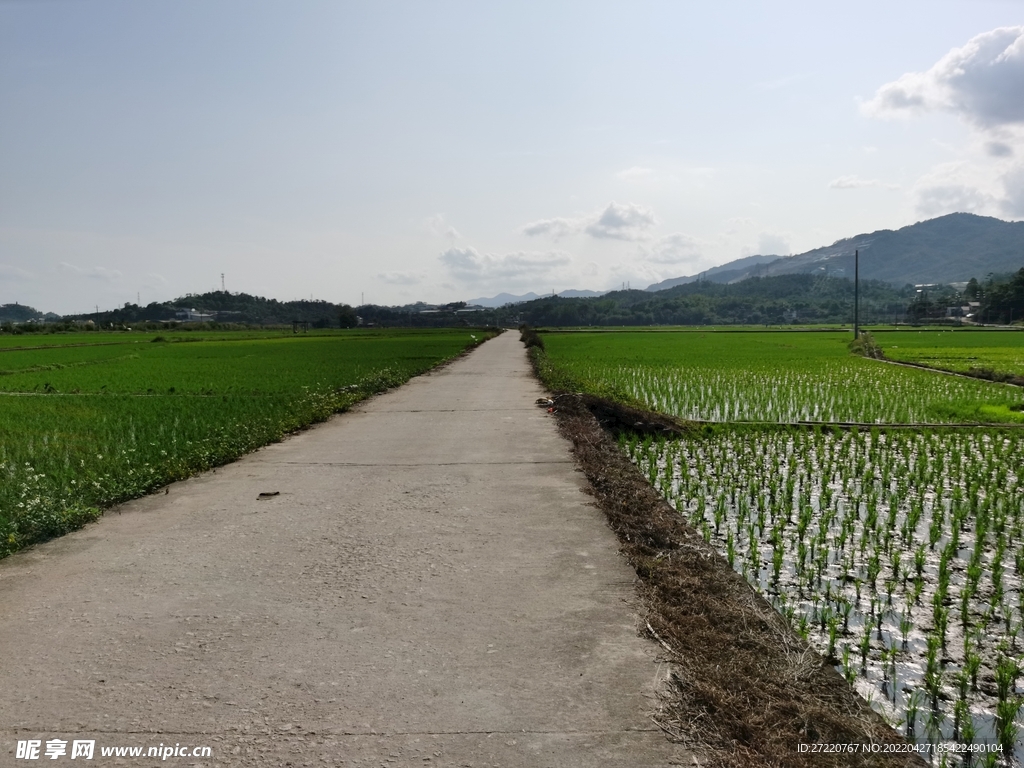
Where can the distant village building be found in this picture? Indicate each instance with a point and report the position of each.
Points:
(194, 316)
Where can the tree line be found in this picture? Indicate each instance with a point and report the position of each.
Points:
(777, 300)
(999, 299)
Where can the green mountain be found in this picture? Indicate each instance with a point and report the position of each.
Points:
(948, 249)
(783, 299)
(729, 272)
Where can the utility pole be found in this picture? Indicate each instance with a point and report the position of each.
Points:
(856, 294)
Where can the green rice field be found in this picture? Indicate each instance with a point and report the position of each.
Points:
(959, 349)
(88, 420)
(897, 553)
(782, 377)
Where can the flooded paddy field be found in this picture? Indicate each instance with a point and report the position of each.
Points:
(896, 552)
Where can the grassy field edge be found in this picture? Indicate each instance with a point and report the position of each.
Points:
(42, 513)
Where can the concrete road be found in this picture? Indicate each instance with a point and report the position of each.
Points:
(430, 588)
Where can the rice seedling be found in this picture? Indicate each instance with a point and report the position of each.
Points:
(892, 536)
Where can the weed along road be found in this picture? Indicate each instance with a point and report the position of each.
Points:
(422, 583)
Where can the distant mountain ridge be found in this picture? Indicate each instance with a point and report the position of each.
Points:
(507, 298)
(721, 274)
(948, 249)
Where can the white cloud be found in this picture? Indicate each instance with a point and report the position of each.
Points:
(625, 221)
(769, 244)
(940, 199)
(957, 186)
(622, 222)
(673, 249)
(737, 223)
(401, 278)
(556, 228)
(470, 265)
(636, 173)
(1013, 185)
(93, 273)
(774, 245)
(982, 82)
(437, 225)
(670, 256)
(972, 187)
(855, 182)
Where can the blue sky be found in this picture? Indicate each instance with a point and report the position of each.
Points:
(441, 151)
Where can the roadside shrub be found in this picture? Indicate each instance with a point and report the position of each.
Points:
(529, 336)
(866, 346)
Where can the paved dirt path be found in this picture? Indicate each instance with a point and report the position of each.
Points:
(430, 588)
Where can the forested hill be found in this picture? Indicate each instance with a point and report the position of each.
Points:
(782, 299)
(948, 249)
(19, 313)
(225, 307)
